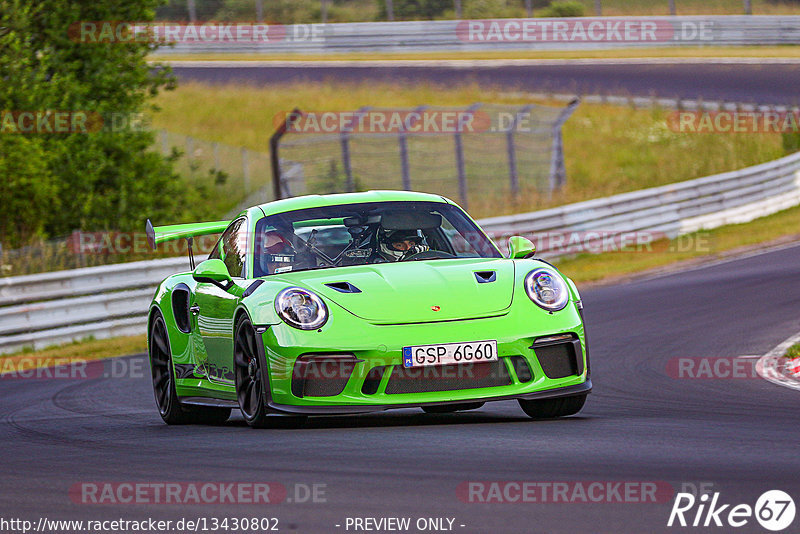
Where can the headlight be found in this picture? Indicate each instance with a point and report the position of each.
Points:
(301, 308)
(547, 289)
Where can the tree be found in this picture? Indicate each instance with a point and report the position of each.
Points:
(102, 180)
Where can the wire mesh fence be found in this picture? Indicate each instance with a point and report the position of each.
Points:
(234, 174)
(490, 152)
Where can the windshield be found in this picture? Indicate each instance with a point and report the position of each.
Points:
(368, 233)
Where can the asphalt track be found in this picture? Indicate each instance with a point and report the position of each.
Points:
(640, 424)
(748, 82)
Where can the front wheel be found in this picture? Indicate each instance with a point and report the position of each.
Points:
(249, 375)
(552, 408)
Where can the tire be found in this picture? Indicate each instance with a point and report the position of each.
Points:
(552, 408)
(450, 408)
(163, 374)
(248, 375)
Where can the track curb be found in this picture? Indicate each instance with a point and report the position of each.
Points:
(772, 366)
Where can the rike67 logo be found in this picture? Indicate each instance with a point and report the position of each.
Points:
(774, 510)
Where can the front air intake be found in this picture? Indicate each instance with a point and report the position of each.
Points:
(560, 358)
(447, 377)
(321, 375)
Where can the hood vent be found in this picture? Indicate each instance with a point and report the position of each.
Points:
(484, 277)
(343, 287)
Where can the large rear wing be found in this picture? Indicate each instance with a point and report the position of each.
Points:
(160, 234)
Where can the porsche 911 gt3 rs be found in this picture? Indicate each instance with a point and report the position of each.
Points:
(362, 302)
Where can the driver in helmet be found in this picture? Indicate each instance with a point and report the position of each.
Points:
(398, 245)
(277, 253)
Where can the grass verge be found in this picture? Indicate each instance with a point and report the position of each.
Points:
(784, 51)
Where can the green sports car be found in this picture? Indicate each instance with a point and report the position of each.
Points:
(361, 302)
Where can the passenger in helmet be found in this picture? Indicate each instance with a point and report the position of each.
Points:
(400, 244)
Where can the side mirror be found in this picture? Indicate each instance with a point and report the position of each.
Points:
(213, 272)
(519, 247)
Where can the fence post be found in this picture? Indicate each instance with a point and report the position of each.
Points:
(403, 140)
(598, 8)
(512, 151)
(274, 147)
(672, 7)
(404, 161)
(463, 190)
(348, 171)
(324, 10)
(558, 172)
(350, 183)
(748, 8)
(245, 170)
(389, 11)
(529, 8)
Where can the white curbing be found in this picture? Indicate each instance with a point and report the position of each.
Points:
(770, 366)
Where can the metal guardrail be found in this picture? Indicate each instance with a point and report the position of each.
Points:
(40, 310)
(581, 33)
(668, 211)
(45, 309)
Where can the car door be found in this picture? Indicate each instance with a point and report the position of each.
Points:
(215, 306)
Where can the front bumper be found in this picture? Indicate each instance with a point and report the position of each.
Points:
(371, 376)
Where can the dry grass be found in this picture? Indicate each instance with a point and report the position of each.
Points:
(691, 7)
(608, 149)
(73, 353)
(785, 51)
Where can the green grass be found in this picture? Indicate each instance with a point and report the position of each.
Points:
(691, 7)
(608, 149)
(785, 51)
(793, 351)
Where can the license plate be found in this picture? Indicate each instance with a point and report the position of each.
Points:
(449, 353)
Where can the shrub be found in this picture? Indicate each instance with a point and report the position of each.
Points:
(566, 8)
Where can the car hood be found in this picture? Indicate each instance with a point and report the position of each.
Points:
(416, 291)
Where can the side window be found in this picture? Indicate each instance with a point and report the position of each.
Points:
(460, 245)
(232, 248)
